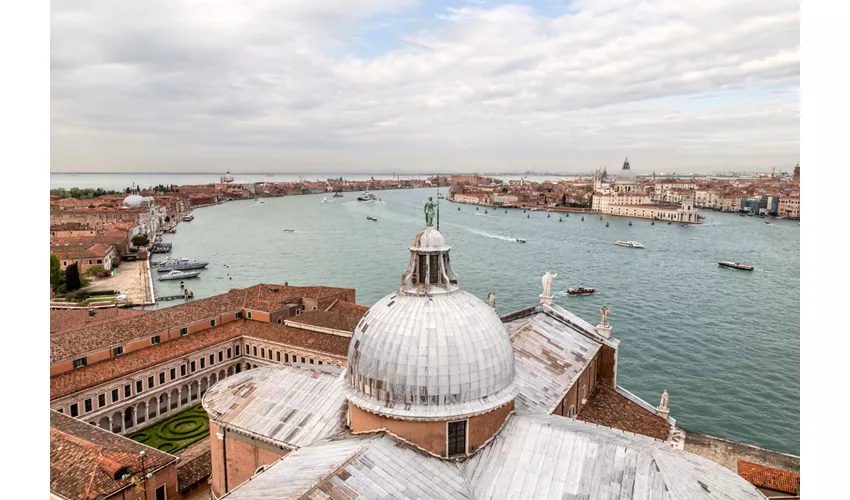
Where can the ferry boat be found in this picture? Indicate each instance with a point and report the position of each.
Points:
(367, 196)
(630, 244)
(179, 275)
(188, 217)
(736, 265)
(373, 219)
(181, 264)
(580, 290)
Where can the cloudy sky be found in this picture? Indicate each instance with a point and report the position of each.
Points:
(373, 86)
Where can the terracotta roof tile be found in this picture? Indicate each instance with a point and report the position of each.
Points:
(340, 316)
(607, 407)
(769, 477)
(194, 471)
(265, 297)
(62, 320)
(334, 345)
(74, 343)
(104, 371)
(84, 459)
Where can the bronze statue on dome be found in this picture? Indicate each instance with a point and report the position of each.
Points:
(429, 212)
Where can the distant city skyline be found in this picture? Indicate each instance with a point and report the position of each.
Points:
(410, 87)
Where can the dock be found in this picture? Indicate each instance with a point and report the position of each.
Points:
(175, 297)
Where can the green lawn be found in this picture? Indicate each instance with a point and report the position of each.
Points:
(175, 432)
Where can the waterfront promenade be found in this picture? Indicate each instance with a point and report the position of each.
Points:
(132, 278)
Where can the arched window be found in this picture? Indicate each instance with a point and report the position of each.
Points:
(571, 413)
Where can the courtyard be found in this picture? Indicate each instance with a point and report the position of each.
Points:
(175, 432)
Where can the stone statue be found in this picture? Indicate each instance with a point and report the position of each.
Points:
(665, 398)
(605, 310)
(492, 297)
(547, 283)
(429, 212)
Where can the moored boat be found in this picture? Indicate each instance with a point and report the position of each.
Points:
(580, 290)
(181, 265)
(188, 217)
(179, 275)
(736, 265)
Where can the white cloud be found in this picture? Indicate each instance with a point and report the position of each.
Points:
(185, 85)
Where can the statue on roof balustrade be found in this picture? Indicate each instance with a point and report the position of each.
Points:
(429, 212)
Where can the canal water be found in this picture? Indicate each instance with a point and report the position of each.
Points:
(724, 343)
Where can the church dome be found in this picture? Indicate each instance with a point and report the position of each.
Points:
(626, 174)
(134, 201)
(430, 351)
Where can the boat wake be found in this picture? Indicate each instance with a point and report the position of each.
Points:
(482, 215)
(490, 235)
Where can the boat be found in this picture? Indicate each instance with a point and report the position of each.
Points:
(337, 195)
(179, 275)
(580, 290)
(736, 265)
(485, 211)
(560, 219)
(519, 240)
(768, 222)
(262, 201)
(652, 224)
(288, 230)
(441, 196)
(188, 217)
(367, 196)
(325, 199)
(743, 215)
(369, 217)
(458, 209)
(606, 224)
(181, 264)
(630, 244)
(582, 219)
(548, 215)
(630, 223)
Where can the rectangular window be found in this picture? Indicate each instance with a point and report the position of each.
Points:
(117, 351)
(239, 315)
(160, 493)
(212, 322)
(75, 410)
(255, 350)
(191, 367)
(229, 352)
(303, 360)
(101, 400)
(182, 370)
(139, 387)
(100, 261)
(128, 391)
(172, 373)
(161, 378)
(262, 352)
(249, 314)
(221, 356)
(87, 405)
(79, 363)
(278, 356)
(457, 438)
(286, 357)
(184, 331)
(203, 362)
(150, 382)
(212, 359)
(320, 362)
(155, 340)
(237, 349)
(114, 395)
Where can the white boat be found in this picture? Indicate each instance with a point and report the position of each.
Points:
(325, 199)
(181, 264)
(367, 196)
(630, 244)
(188, 217)
(179, 275)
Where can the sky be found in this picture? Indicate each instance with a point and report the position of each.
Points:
(375, 86)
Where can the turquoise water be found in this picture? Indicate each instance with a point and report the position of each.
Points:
(724, 343)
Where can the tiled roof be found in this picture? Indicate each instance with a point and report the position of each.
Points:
(341, 316)
(84, 459)
(331, 344)
(195, 470)
(265, 297)
(74, 343)
(769, 477)
(62, 320)
(104, 371)
(607, 407)
(71, 226)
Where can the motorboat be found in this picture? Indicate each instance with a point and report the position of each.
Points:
(560, 219)
(325, 199)
(580, 290)
(768, 222)
(485, 211)
(630, 223)
(337, 195)
(519, 240)
(181, 264)
(373, 219)
(736, 265)
(582, 219)
(652, 223)
(262, 202)
(606, 224)
(288, 230)
(179, 275)
(188, 217)
(367, 196)
(629, 244)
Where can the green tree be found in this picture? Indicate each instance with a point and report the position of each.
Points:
(72, 278)
(140, 240)
(55, 272)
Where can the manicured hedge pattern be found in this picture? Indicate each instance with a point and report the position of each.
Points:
(177, 431)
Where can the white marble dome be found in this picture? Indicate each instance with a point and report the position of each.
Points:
(134, 201)
(430, 354)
